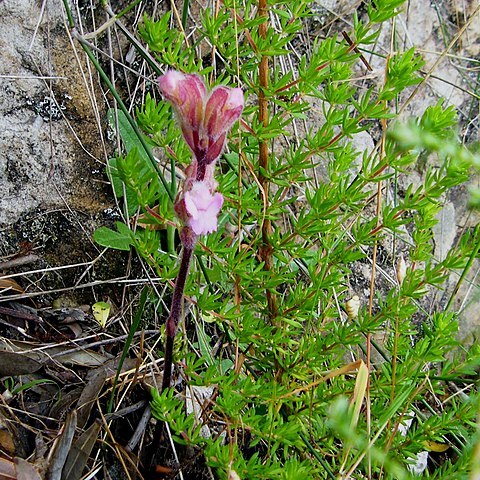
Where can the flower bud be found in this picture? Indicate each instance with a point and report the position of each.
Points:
(401, 270)
(352, 307)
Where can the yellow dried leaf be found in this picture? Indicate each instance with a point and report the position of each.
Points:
(359, 392)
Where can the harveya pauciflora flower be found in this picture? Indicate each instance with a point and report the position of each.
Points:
(205, 119)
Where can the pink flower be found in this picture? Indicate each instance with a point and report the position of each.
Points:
(205, 117)
(202, 208)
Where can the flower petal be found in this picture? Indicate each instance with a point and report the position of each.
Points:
(202, 208)
(192, 209)
(187, 95)
(215, 148)
(224, 107)
(216, 204)
(203, 225)
(214, 110)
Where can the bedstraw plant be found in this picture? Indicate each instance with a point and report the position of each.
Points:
(304, 382)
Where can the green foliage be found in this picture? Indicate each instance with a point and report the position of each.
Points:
(167, 408)
(284, 381)
(121, 240)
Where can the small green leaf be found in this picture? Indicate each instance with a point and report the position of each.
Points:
(107, 237)
(115, 180)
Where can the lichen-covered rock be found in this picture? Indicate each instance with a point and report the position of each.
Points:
(50, 142)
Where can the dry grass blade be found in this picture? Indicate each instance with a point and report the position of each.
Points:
(350, 367)
(80, 453)
(6, 285)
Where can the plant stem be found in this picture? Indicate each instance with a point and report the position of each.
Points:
(177, 303)
(266, 249)
(189, 239)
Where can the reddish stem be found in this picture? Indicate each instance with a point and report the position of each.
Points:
(266, 251)
(188, 240)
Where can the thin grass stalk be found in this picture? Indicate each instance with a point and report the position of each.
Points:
(131, 121)
(467, 268)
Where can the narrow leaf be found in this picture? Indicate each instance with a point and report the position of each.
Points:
(80, 453)
(62, 447)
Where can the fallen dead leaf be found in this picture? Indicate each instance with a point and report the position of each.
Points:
(7, 469)
(80, 453)
(95, 381)
(25, 470)
(62, 354)
(7, 442)
(12, 364)
(65, 403)
(62, 447)
(89, 396)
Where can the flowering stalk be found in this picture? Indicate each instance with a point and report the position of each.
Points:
(205, 119)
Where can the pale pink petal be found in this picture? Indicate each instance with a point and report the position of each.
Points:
(190, 205)
(202, 208)
(201, 195)
(169, 83)
(236, 98)
(208, 220)
(233, 108)
(216, 205)
(203, 225)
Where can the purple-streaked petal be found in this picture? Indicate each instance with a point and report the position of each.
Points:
(187, 94)
(214, 110)
(204, 118)
(215, 148)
